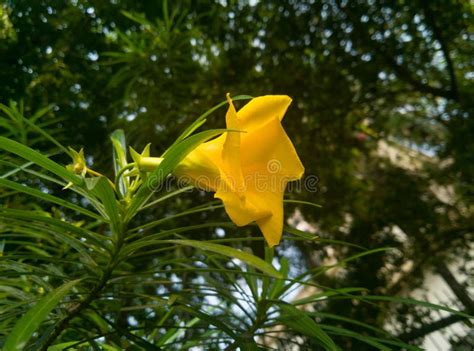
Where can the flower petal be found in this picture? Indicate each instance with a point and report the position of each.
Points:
(241, 211)
(269, 151)
(262, 109)
(232, 170)
(202, 167)
(272, 226)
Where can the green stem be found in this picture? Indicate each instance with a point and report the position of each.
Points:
(121, 172)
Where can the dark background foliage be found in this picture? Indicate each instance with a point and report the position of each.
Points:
(362, 74)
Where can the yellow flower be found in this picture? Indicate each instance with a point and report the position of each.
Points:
(249, 170)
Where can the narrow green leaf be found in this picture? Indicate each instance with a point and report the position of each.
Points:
(39, 159)
(41, 112)
(302, 323)
(202, 119)
(168, 196)
(314, 237)
(299, 202)
(64, 345)
(172, 217)
(138, 18)
(388, 338)
(212, 320)
(30, 217)
(80, 190)
(157, 238)
(301, 234)
(36, 128)
(24, 167)
(101, 188)
(174, 333)
(228, 251)
(278, 287)
(30, 322)
(109, 347)
(47, 197)
(56, 228)
(325, 294)
(362, 254)
(120, 157)
(166, 14)
(349, 320)
(363, 338)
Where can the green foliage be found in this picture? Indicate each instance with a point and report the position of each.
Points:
(29, 323)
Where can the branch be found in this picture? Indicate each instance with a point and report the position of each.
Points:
(458, 289)
(430, 328)
(406, 75)
(460, 293)
(438, 35)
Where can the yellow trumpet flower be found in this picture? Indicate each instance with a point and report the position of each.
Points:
(247, 170)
